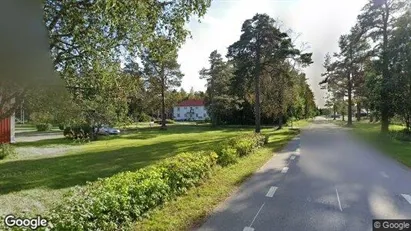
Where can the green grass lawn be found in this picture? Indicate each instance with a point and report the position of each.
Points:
(399, 150)
(35, 184)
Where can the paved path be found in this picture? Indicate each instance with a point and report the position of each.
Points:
(323, 180)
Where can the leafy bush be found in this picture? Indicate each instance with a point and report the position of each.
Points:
(7, 150)
(187, 170)
(41, 117)
(112, 203)
(168, 121)
(44, 127)
(243, 145)
(403, 135)
(226, 156)
(62, 127)
(78, 132)
(143, 117)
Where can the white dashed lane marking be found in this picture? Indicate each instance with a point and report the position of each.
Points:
(248, 229)
(407, 197)
(338, 198)
(271, 191)
(256, 215)
(383, 174)
(284, 170)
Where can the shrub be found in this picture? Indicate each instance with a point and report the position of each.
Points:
(259, 139)
(112, 203)
(7, 150)
(243, 145)
(44, 127)
(403, 135)
(187, 170)
(227, 155)
(78, 132)
(41, 117)
(143, 117)
(246, 144)
(62, 127)
(68, 133)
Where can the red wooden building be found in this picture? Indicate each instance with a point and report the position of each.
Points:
(7, 131)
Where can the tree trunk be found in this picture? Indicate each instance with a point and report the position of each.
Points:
(385, 107)
(212, 102)
(358, 111)
(349, 122)
(343, 117)
(273, 120)
(163, 101)
(368, 112)
(280, 122)
(371, 115)
(257, 93)
(335, 112)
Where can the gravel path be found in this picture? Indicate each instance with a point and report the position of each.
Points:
(27, 152)
(29, 137)
(48, 150)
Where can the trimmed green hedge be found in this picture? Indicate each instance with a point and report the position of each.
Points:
(238, 147)
(227, 155)
(246, 144)
(114, 203)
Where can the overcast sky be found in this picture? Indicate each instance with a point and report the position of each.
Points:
(320, 23)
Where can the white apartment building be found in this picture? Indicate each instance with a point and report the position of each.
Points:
(190, 110)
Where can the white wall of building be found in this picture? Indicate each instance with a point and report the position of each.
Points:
(183, 113)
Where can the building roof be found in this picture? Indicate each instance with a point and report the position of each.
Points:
(191, 102)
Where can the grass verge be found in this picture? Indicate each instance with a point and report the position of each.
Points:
(370, 132)
(190, 210)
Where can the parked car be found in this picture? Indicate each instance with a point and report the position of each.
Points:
(363, 114)
(106, 130)
(336, 116)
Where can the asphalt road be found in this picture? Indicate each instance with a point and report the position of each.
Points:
(323, 180)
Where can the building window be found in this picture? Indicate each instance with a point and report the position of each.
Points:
(178, 115)
(196, 107)
(178, 109)
(196, 115)
(205, 115)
